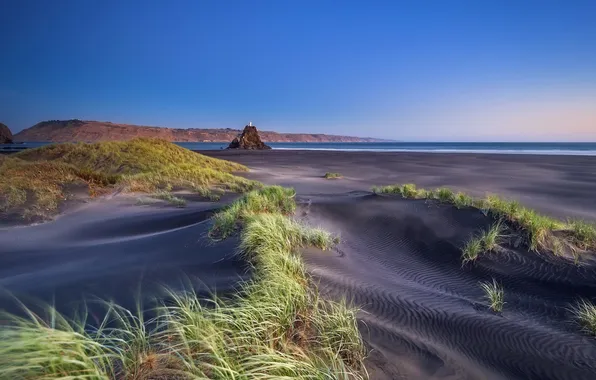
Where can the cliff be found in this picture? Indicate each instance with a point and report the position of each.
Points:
(78, 130)
(5, 135)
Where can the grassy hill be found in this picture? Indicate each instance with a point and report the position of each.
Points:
(37, 181)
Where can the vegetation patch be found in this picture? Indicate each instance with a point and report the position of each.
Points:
(329, 175)
(585, 314)
(486, 241)
(277, 327)
(170, 198)
(539, 232)
(495, 294)
(36, 181)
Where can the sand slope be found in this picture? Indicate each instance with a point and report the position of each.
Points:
(425, 316)
(112, 249)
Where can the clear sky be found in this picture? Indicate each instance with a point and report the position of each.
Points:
(414, 70)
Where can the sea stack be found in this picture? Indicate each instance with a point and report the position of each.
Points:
(5, 134)
(249, 139)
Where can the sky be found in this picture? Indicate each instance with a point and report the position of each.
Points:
(416, 70)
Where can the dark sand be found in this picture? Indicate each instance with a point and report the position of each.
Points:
(115, 250)
(399, 260)
(423, 315)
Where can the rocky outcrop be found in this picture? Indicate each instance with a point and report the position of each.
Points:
(249, 139)
(5, 134)
(82, 130)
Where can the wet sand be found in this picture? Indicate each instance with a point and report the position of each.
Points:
(423, 315)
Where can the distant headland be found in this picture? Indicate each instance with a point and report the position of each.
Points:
(80, 130)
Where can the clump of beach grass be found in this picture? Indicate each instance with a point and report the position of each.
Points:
(330, 175)
(271, 199)
(170, 198)
(584, 233)
(471, 250)
(461, 200)
(495, 294)
(36, 181)
(277, 326)
(584, 312)
(539, 232)
(487, 241)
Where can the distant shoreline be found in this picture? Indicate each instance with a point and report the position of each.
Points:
(531, 149)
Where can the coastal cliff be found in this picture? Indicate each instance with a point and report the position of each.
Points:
(5, 134)
(79, 130)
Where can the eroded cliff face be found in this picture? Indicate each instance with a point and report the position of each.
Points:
(5, 134)
(78, 130)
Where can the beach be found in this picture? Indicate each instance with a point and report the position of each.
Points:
(422, 312)
(423, 315)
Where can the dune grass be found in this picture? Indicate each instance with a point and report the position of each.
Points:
(170, 198)
(330, 175)
(276, 327)
(585, 314)
(495, 294)
(486, 241)
(36, 181)
(540, 232)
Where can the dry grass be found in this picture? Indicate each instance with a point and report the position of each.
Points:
(540, 232)
(330, 175)
(36, 180)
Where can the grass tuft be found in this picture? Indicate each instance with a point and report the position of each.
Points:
(444, 195)
(495, 294)
(271, 199)
(170, 198)
(486, 241)
(471, 250)
(329, 175)
(585, 314)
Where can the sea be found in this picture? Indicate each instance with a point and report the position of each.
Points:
(551, 148)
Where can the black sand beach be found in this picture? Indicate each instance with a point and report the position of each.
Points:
(423, 314)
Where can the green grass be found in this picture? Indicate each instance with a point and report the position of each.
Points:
(329, 175)
(272, 199)
(471, 250)
(495, 294)
(170, 198)
(39, 180)
(486, 241)
(539, 232)
(276, 327)
(585, 314)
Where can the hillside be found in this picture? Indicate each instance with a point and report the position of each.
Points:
(78, 130)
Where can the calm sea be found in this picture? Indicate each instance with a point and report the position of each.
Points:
(585, 149)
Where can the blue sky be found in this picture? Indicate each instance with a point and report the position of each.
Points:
(411, 70)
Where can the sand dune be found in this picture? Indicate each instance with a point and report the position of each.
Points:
(400, 261)
(109, 249)
(423, 314)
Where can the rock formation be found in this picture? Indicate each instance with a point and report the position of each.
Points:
(5, 135)
(249, 139)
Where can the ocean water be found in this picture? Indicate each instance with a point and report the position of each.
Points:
(552, 148)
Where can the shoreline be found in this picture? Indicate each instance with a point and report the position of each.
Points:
(559, 186)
